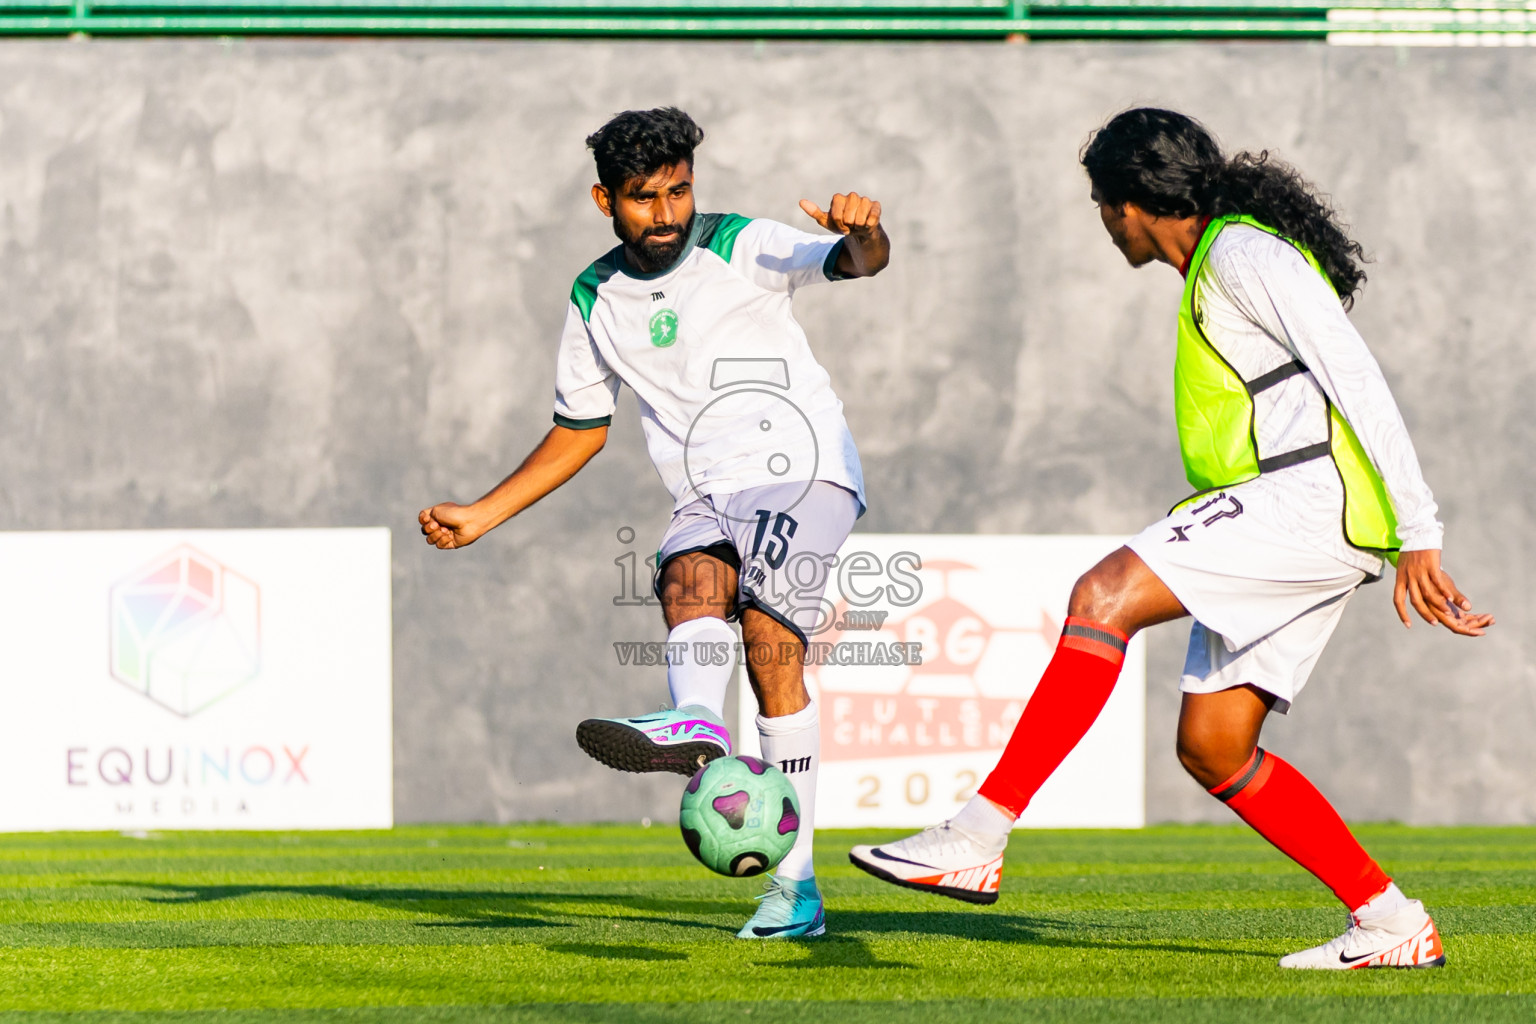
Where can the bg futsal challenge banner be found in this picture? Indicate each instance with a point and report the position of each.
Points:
(932, 647)
(195, 679)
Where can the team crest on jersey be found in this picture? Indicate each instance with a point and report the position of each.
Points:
(663, 328)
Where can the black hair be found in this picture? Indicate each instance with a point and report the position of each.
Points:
(1170, 165)
(638, 143)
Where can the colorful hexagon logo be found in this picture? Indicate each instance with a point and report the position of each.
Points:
(185, 631)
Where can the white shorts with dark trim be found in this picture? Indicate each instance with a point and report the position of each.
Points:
(1264, 601)
(782, 539)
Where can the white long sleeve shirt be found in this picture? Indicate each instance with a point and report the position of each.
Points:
(1265, 306)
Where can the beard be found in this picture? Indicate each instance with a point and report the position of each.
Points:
(656, 255)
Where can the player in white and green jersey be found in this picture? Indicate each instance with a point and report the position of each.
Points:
(693, 312)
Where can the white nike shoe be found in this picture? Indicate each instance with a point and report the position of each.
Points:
(939, 859)
(1404, 938)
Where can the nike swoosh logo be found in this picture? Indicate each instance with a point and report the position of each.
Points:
(764, 931)
(758, 929)
(901, 860)
(1354, 959)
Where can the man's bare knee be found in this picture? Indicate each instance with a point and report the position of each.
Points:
(1092, 595)
(1190, 759)
(1121, 592)
(694, 586)
(1210, 761)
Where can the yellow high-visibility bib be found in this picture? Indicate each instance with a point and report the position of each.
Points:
(1213, 407)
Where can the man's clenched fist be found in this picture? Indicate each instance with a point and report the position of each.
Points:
(449, 526)
(850, 214)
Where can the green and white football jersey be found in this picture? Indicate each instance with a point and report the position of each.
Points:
(730, 395)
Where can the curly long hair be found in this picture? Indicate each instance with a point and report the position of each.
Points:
(1170, 165)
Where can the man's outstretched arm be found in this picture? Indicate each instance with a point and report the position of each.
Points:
(1294, 304)
(558, 457)
(866, 249)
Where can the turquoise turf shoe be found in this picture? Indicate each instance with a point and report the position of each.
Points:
(681, 740)
(790, 909)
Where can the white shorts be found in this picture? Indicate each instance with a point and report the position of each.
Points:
(782, 539)
(1264, 601)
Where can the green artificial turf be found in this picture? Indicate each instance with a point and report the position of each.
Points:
(541, 922)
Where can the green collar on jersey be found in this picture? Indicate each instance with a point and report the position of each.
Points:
(713, 231)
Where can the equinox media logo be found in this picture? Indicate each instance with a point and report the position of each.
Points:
(185, 631)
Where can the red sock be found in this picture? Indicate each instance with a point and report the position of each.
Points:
(1076, 685)
(1283, 807)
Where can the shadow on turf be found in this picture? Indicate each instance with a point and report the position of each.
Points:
(470, 908)
(845, 948)
(980, 925)
(598, 951)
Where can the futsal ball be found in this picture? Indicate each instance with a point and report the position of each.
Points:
(739, 816)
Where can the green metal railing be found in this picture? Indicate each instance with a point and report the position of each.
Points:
(1504, 21)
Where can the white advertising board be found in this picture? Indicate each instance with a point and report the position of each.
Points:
(195, 679)
(906, 744)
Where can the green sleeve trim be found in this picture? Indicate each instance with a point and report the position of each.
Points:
(584, 291)
(592, 424)
(829, 265)
(720, 231)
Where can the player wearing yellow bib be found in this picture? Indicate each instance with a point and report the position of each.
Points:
(1306, 482)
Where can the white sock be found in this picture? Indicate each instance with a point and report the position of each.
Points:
(792, 744)
(984, 822)
(694, 677)
(1389, 901)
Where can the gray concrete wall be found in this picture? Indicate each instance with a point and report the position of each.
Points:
(319, 283)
